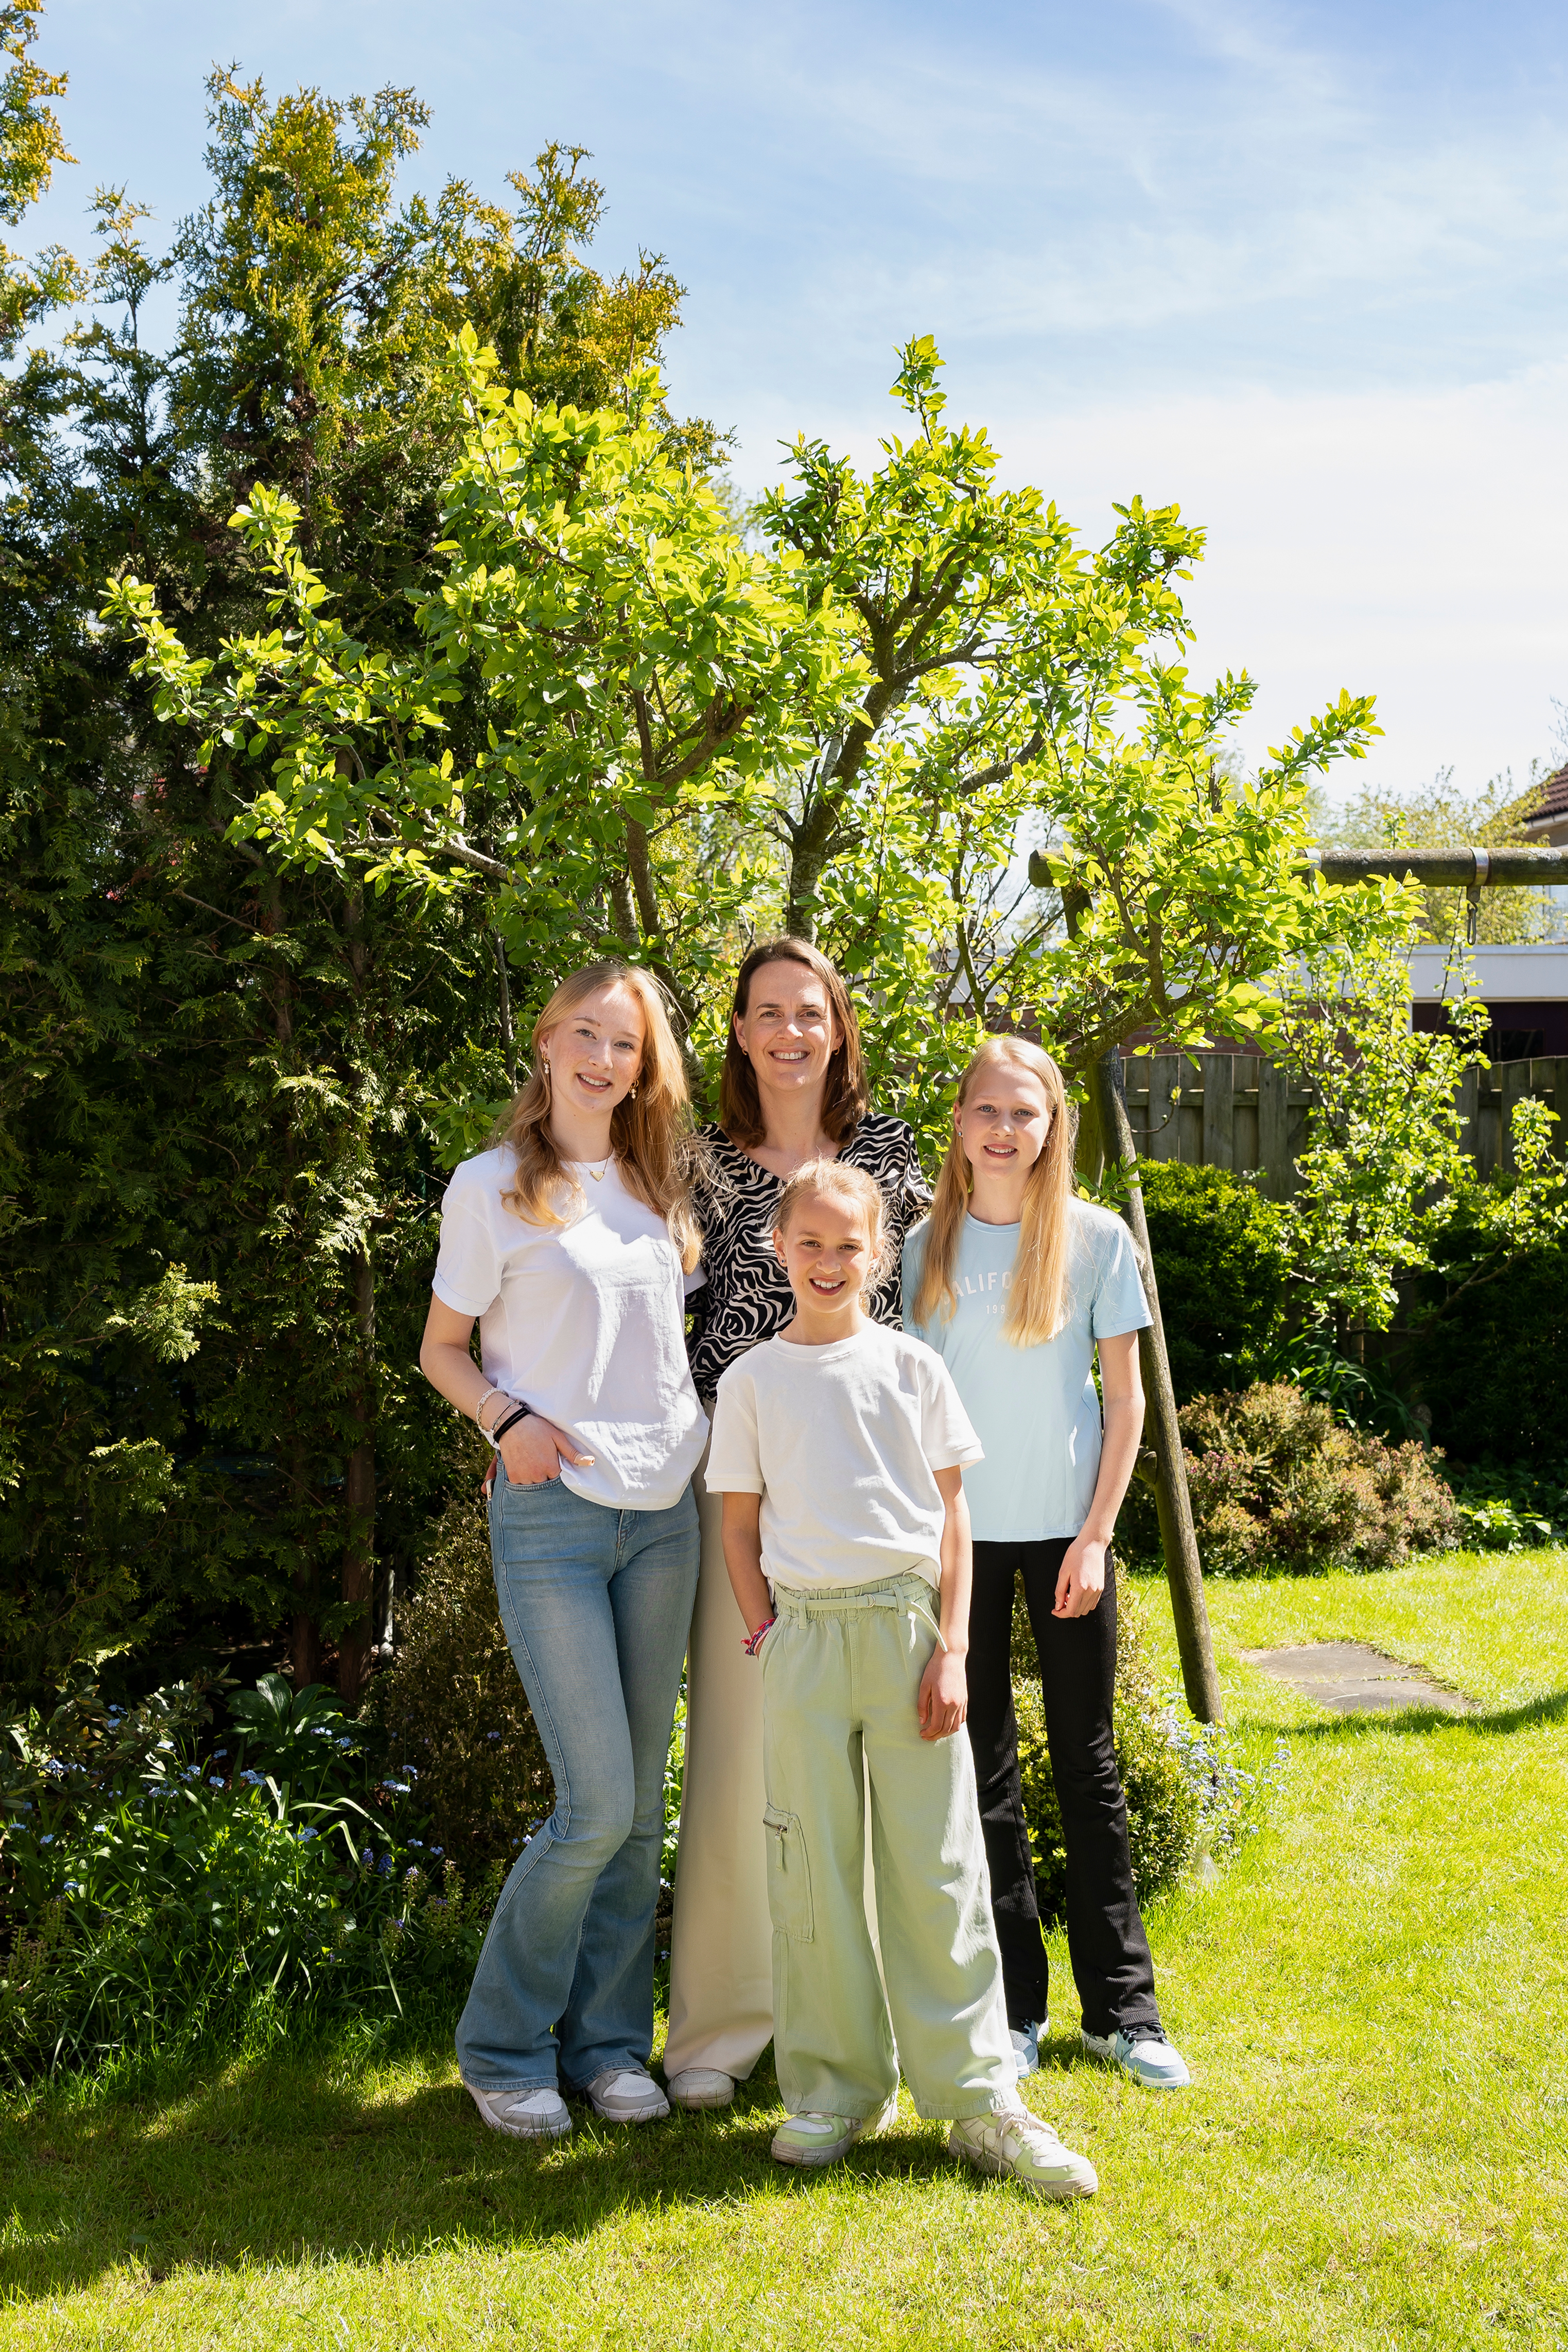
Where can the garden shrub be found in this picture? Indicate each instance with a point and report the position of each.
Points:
(1509, 1508)
(1494, 1372)
(1278, 1482)
(1220, 1269)
(159, 1886)
(451, 1706)
(1187, 1794)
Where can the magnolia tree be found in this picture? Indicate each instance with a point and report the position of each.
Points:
(623, 724)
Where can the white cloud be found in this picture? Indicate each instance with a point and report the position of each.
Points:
(1407, 545)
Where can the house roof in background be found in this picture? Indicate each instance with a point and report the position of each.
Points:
(1553, 799)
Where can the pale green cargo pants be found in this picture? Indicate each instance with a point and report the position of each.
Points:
(841, 1674)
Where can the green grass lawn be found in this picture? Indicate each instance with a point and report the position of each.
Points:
(1372, 1998)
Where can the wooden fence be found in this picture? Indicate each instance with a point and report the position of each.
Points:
(1235, 1110)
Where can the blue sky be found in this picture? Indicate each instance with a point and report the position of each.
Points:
(1302, 270)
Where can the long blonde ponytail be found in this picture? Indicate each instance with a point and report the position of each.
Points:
(649, 1131)
(1035, 1305)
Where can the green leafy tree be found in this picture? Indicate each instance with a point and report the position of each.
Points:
(1378, 819)
(1385, 1180)
(225, 1079)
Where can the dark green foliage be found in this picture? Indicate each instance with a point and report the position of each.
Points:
(160, 1884)
(229, 1092)
(1278, 1482)
(1493, 1366)
(1220, 1270)
(1511, 1507)
(1187, 1795)
(451, 1703)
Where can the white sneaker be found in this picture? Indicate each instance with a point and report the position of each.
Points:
(813, 2139)
(1025, 2041)
(627, 2095)
(541, 2114)
(700, 2086)
(1014, 2144)
(1143, 2052)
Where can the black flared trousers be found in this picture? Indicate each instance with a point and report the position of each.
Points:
(1109, 1952)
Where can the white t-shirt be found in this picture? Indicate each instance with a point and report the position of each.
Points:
(585, 1322)
(841, 1444)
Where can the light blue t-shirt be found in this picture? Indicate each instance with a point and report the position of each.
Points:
(1034, 1410)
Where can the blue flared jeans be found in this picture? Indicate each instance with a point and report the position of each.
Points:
(595, 1603)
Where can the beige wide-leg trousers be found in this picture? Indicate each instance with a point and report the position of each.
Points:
(720, 1952)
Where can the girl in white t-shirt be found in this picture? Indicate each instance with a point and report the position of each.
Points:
(571, 1243)
(838, 1448)
(1017, 1283)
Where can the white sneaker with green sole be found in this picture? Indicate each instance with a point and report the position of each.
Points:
(813, 2138)
(1014, 2144)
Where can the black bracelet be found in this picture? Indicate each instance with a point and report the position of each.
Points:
(509, 1423)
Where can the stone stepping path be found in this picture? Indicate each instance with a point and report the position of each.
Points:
(1353, 1678)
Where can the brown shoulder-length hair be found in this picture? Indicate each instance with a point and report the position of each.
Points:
(1034, 1310)
(649, 1132)
(845, 1094)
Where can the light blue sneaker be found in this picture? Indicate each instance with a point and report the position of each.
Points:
(1143, 2052)
(1025, 2041)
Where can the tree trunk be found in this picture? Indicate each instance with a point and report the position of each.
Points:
(304, 1639)
(359, 1553)
(1178, 1537)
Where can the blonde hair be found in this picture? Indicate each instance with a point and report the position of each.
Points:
(817, 1180)
(649, 1131)
(1036, 1306)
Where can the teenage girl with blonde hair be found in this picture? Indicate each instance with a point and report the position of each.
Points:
(572, 1242)
(1016, 1284)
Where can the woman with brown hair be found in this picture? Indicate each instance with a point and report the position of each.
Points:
(572, 1242)
(1017, 1283)
(792, 1089)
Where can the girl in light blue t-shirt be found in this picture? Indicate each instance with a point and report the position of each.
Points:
(1016, 1284)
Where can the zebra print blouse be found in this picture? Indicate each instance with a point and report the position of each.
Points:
(746, 1295)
